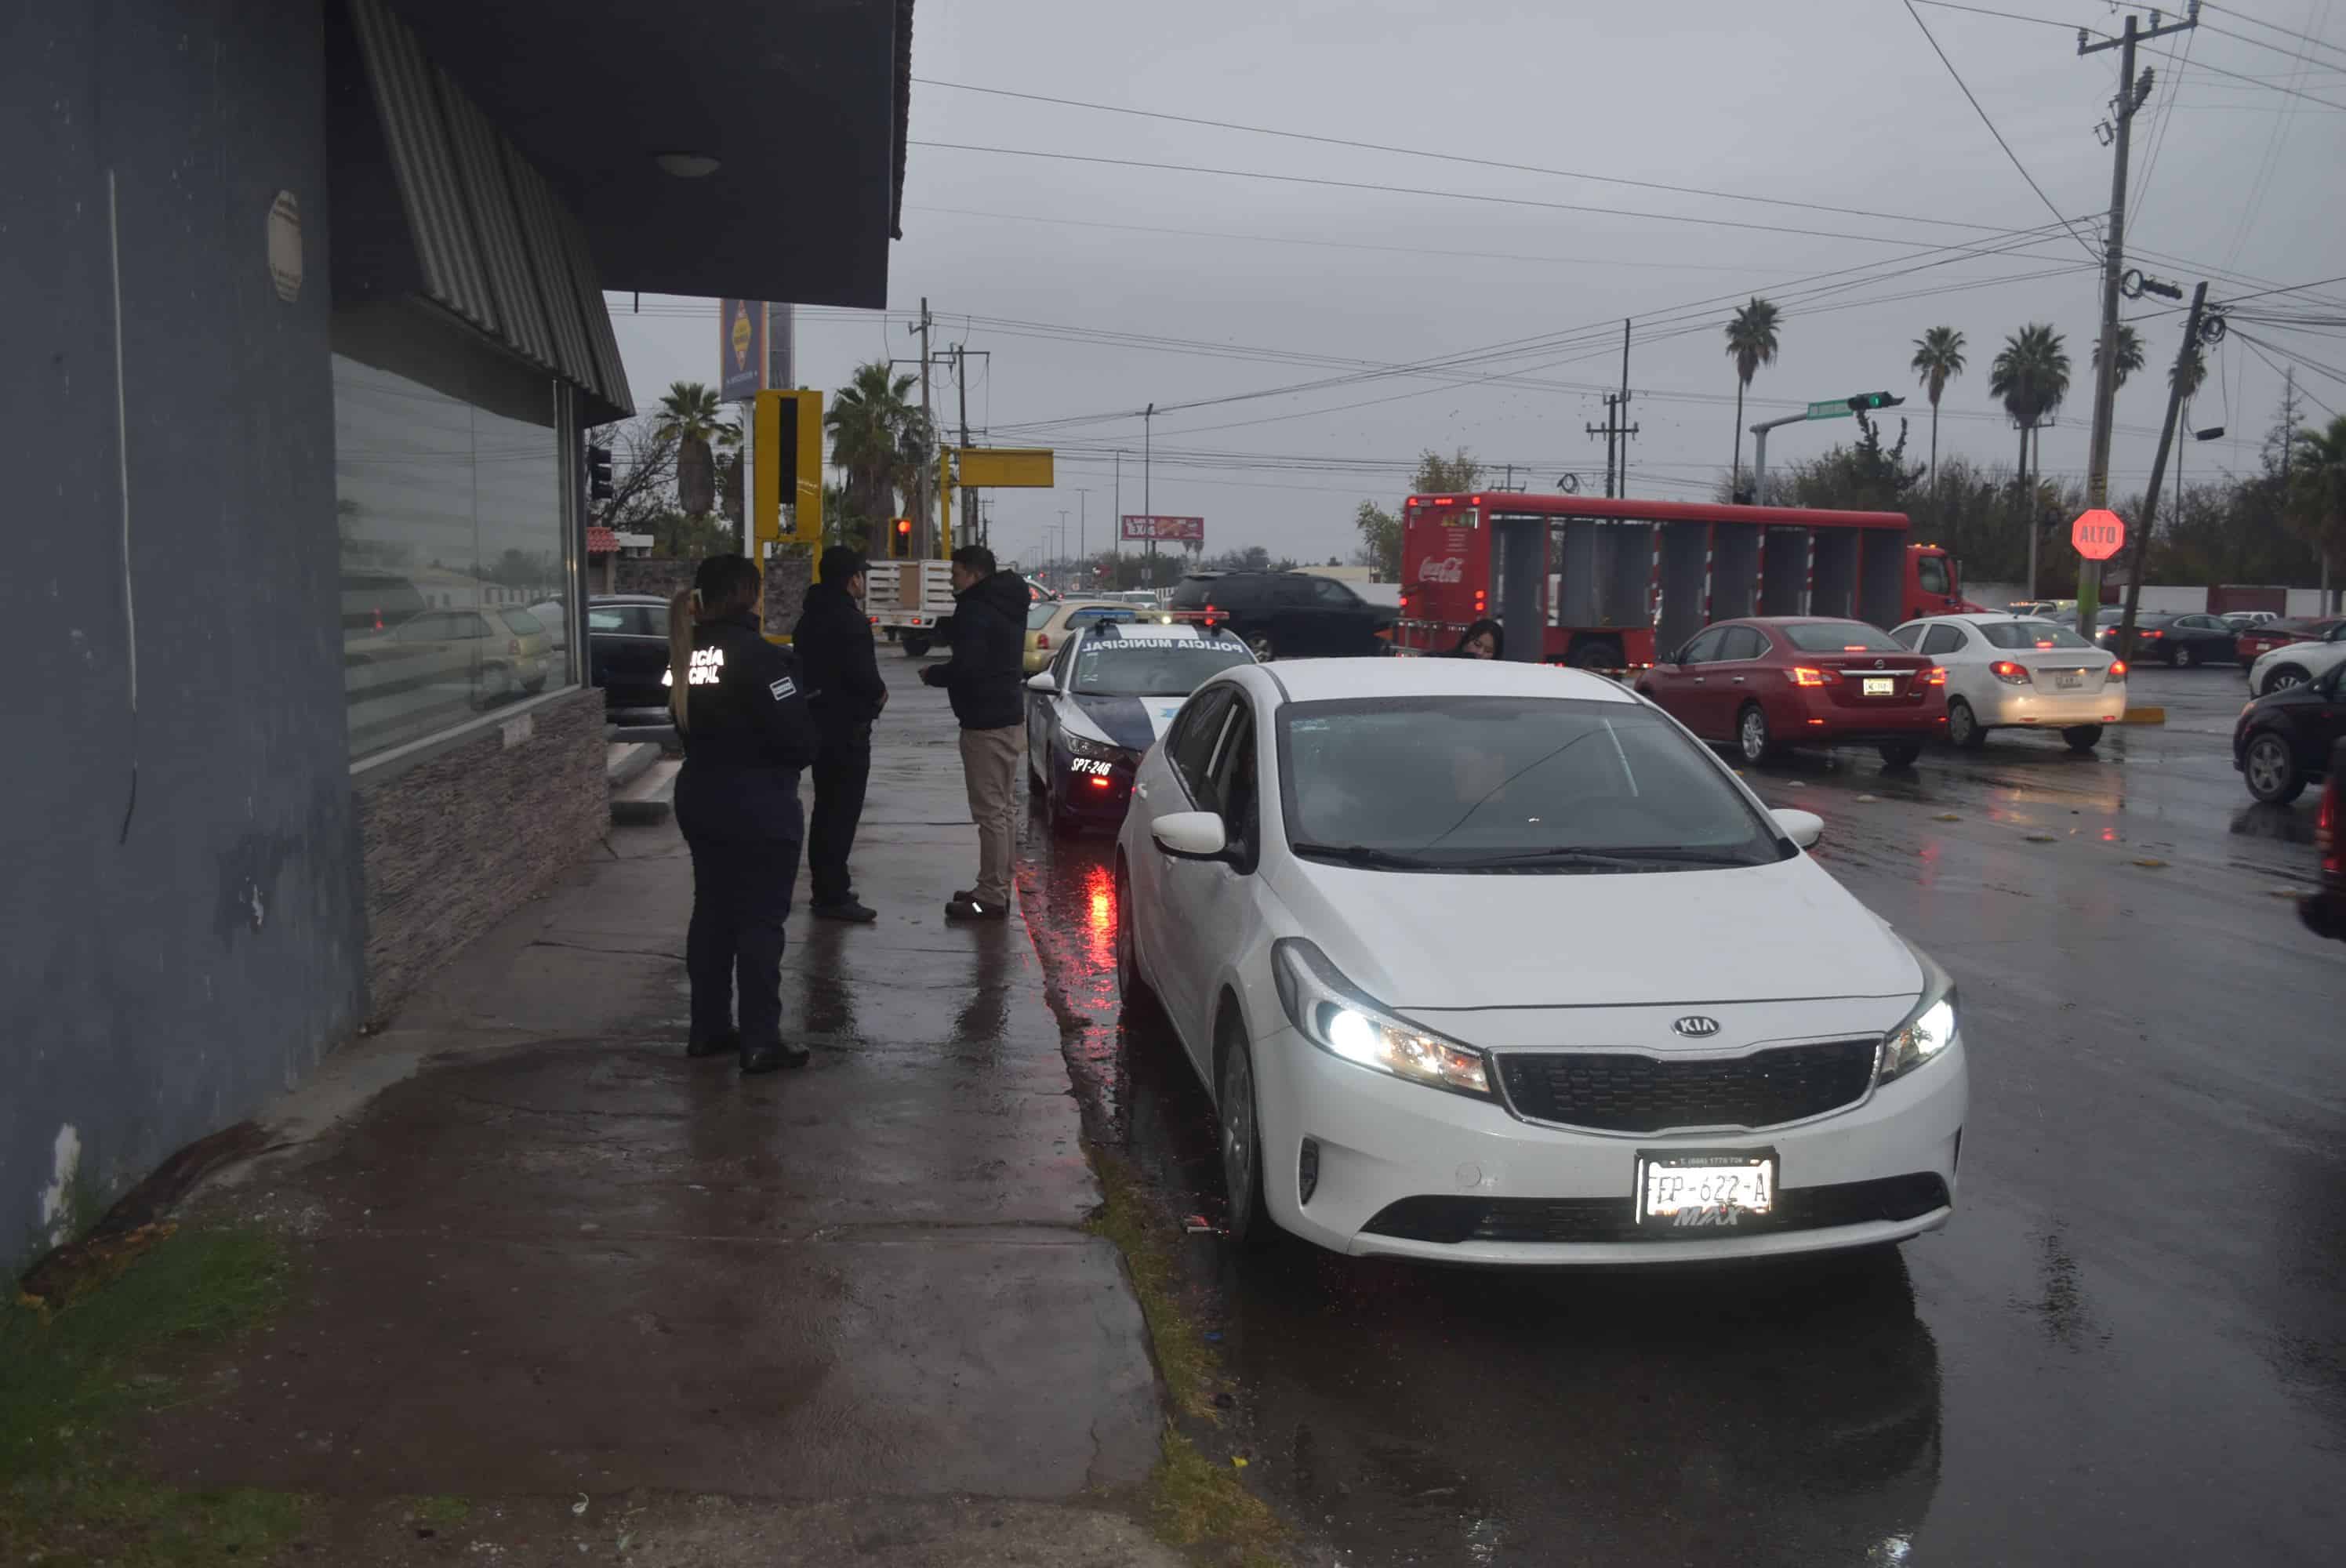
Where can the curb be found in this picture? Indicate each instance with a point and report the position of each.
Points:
(629, 764)
(2145, 716)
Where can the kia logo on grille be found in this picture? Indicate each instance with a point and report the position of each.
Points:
(1696, 1026)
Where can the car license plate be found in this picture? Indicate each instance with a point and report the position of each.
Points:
(1716, 1190)
(1879, 685)
(2068, 680)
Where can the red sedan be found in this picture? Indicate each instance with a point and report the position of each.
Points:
(2258, 641)
(1769, 682)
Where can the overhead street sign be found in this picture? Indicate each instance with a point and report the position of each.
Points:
(1831, 408)
(2098, 534)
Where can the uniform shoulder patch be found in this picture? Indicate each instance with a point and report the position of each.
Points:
(784, 687)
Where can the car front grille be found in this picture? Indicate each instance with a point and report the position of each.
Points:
(1624, 1092)
(1556, 1221)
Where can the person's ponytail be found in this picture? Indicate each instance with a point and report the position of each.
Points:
(680, 620)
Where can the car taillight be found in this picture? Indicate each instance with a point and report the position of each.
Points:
(512, 648)
(1809, 675)
(1938, 676)
(2004, 670)
(2147, 637)
(1042, 640)
(2117, 670)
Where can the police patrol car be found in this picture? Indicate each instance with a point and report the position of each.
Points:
(1103, 702)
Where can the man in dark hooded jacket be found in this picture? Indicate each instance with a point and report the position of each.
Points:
(845, 693)
(985, 678)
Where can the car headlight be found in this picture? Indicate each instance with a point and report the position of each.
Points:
(1926, 1032)
(1084, 746)
(1329, 1013)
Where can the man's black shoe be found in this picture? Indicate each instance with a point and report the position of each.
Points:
(723, 1045)
(973, 908)
(775, 1054)
(852, 912)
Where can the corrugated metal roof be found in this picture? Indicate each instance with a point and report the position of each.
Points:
(611, 375)
(481, 165)
(541, 227)
(426, 166)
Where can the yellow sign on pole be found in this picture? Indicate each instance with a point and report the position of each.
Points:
(1006, 467)
(786, 434)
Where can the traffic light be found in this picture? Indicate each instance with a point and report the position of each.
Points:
(900, 540)
(1864, 401)
(599, 474)
(787, 465)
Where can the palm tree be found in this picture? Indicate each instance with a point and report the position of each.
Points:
(876, 435)
(2187, 375)
(691, 416)
(2030, 376)
(1938, 360)
(1750, 343)
(2317, 489)
(2130, 352)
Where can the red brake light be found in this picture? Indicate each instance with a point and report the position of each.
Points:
(1042, 640)
(1938, 676)
(1809, 675)
(2117, 670)
(2011, 674)
(1099, 782)
(2150, 636)
(1853, 647)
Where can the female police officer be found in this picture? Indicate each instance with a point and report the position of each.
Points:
(746, 732)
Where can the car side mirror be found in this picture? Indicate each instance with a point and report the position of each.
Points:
(1191, 836)
(1803, 828)
(1045, 683)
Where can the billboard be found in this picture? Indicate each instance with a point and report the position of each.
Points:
(1175, 530)
(740, 349)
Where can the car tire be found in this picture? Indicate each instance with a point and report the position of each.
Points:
(1596, 656)
(1248, 1221)
(2083, 736)
(1131, 988)
(2172, 654)
(1965, 731)
(2270, 770)
(2282, 678)
(1754, 741)
(1900, 753)
(915, 645)
(2185, 656)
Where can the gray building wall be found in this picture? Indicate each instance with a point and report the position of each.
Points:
(181, 919)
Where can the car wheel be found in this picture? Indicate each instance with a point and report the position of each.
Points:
(2271, 770)
(1900, 753)
(916, 647)
(1261, 646)
(1753, 740)
(1129, 985)
(1249, 1224)
(2281, 679)
(1965, 731)
(1596, 656)
(2172, 654)
(2083, 736)
(2185, 656)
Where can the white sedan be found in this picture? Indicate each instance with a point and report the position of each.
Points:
(1494, 962)
(2294, 664)
(2022, 673)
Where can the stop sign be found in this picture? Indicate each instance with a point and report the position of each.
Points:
(2098, 534)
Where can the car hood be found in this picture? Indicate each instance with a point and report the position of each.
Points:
(1784, 932)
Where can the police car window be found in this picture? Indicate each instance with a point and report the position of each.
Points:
(1126, 665)
(1191, 744)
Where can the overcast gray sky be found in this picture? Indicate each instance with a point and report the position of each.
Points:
(1841, 104)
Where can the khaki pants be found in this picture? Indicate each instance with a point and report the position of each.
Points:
(990, 759)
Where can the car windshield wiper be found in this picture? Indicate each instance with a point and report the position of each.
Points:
(1628, 855)
(1362, 855)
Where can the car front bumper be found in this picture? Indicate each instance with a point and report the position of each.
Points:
(2032, 707)
(1399, 1165)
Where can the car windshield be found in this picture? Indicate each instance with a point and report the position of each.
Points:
(2030, 635)
(523, 623)
(1129, 665)
(1840, 636)
(1509, 783)
(1039, 614)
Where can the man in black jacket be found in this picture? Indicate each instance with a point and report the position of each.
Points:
(833, 641)
(985, 678)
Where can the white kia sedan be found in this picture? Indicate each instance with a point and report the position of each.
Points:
(2020, 672)
(1494, 962)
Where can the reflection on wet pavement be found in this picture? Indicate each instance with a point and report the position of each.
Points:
(2129, 1346)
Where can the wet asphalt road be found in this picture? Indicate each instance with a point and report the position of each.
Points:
(2128, 1347)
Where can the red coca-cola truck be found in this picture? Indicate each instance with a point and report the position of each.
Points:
(1624, 579)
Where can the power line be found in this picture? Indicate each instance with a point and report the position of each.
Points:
(1984, 121)
(1452, 158)
(2339, 50)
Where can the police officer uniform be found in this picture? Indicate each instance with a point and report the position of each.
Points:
(747, 735)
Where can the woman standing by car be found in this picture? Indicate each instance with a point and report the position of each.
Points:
(746, 733)
(1484, 640)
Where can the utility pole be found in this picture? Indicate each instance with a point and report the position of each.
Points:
(1625, 403)
(2150, 519)
(1082, 524)
(925, 512)
(1616, 473)
(2131, 96)
(1147, 447)
(968, 501)
(1115, 535)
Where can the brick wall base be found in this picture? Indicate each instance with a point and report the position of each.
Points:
(455, 843)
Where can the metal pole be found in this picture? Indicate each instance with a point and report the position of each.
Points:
(1759, 465)
(1116, 537)
(2157, 471)
(1083, 511)
(1147, 447)
(1622, 409)
(929, 424)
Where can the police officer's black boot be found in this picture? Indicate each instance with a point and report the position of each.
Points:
(723, 1044)
(773, 1055)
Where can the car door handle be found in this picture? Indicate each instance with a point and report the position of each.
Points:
(1738, 680)
(1697, 680)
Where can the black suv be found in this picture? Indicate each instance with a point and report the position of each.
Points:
(1288, 614)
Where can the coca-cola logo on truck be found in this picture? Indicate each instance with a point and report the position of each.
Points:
(1449, 569)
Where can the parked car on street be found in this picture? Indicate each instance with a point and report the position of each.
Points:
(1488, 962)
(1766, 683)
(2019, 672)
(1288, 614)
(1049, 623)
(627, 653)
(2282, 742)
(2180, 642)
(2241, 620)
(2258, 641)
(1108, 694)
(2325, 913)
(2295, 663)
(496, 653)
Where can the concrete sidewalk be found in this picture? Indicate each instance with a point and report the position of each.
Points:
(553, 1268)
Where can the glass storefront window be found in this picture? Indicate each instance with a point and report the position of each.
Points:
(455, 564)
